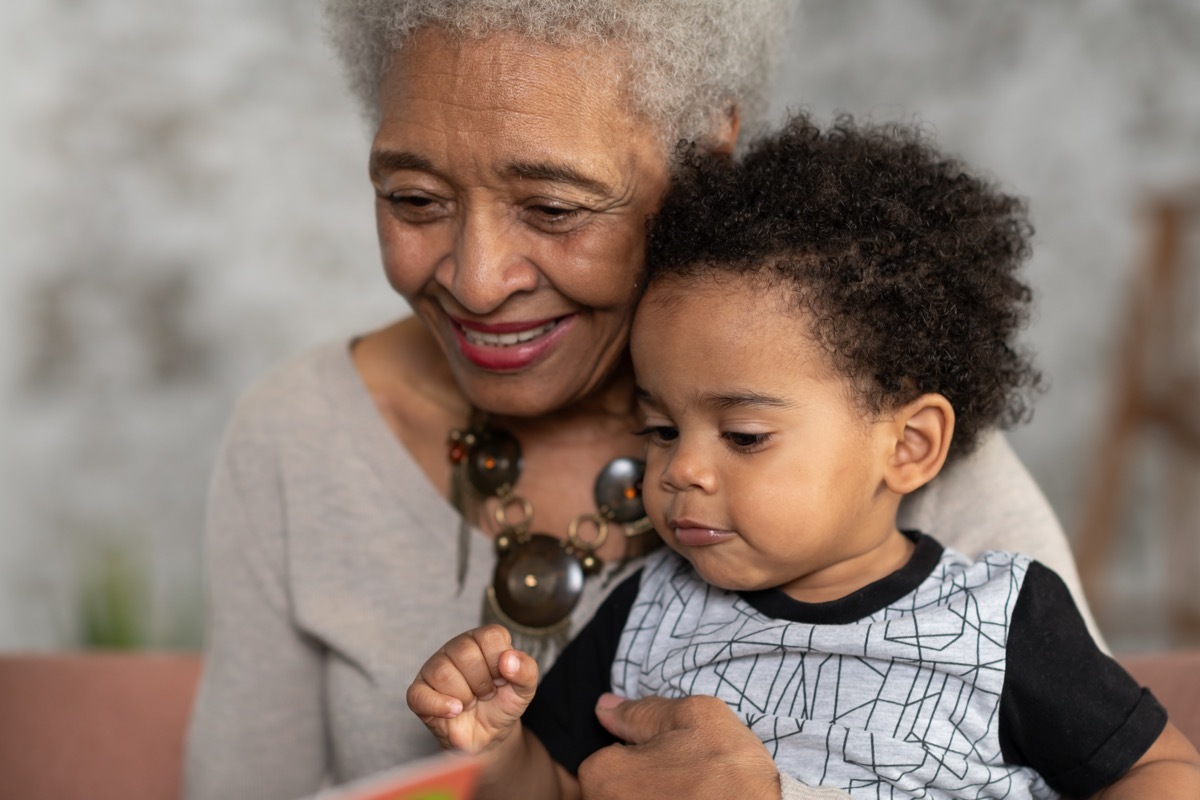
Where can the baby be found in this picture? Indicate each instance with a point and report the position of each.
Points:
(827, 322)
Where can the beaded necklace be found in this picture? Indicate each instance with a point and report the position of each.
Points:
(538, 578)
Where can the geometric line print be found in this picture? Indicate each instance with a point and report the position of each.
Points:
(902, 703)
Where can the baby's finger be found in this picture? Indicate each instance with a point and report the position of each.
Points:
(476, 654)
(442, 675)
(520, 671)
(428, 703)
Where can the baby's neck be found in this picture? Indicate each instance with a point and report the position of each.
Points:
(848, 576)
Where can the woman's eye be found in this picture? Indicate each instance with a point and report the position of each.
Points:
(746, 441)
(409, 200)
(554, 217)
(659, 434)
(413, 207)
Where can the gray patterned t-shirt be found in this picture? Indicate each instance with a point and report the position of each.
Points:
(948, 678)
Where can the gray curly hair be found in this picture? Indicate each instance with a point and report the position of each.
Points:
(689, 59)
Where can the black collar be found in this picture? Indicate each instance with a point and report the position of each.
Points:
(859, 604)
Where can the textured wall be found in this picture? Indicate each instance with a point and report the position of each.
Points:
(184, 201)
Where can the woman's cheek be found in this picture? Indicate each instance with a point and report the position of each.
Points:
(409, 258)
(598, 272)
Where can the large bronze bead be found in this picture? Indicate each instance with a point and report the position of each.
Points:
(619, 490)
(537, 582)
(494, 461)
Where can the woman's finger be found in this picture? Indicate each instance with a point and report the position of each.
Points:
(691, 747)
(639, 721)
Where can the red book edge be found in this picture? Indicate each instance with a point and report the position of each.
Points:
(442, 777)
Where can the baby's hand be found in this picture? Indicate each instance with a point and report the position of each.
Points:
(473, 691)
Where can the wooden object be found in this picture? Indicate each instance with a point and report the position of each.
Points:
(1155, 399)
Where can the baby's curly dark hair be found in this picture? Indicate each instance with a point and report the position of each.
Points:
(906, 264)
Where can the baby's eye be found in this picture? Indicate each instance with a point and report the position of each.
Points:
(659, 434)
(746, 441)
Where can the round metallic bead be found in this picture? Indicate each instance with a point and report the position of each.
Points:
(618, 489)
(538, 583)
(494, 461)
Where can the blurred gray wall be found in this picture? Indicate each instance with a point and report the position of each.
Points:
(183, 202)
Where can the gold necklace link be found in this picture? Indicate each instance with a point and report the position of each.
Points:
(588, 545)
(519, 527)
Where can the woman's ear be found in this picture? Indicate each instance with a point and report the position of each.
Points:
(922, 429)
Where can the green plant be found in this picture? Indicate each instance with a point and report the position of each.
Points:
(115, 599)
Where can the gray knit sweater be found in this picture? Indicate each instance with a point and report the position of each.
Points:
(330, 563)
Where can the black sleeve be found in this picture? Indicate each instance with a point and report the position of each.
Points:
(1067, 709)
(562, 714)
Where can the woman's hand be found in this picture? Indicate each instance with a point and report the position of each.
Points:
(692, 747)
(472, 693)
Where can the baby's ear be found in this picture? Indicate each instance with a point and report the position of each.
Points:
(922, 430)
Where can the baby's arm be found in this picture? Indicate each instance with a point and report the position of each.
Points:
(1169, 769)
(471, 695)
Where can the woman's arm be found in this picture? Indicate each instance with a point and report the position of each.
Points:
(989, 501)
(257, 728)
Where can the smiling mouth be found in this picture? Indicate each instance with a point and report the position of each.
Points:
(483, 339)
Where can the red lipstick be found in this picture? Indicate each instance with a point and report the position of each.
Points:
(508, 346)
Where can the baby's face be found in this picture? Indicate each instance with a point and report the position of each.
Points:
(760, 468)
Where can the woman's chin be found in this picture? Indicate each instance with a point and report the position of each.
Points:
(553, 385)
(514, 394)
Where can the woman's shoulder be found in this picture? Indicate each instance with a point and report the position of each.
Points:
(297, 392)
(318, 413)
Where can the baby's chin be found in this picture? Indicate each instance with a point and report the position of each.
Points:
(730, 583)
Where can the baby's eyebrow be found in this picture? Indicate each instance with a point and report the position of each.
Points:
(725, 401)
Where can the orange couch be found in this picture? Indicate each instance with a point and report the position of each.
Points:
(94, 726)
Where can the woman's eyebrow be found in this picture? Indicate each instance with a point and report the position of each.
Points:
(556, 173)
(395, 160)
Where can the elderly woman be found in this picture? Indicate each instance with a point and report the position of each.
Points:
(477, 460)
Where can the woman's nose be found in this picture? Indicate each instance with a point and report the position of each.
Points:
(487, 264)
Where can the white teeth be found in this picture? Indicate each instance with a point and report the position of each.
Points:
(506, 339)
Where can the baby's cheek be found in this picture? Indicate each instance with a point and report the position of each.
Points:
(653, 497)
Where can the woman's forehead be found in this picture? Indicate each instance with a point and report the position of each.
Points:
(506, 100)
(506, 73)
